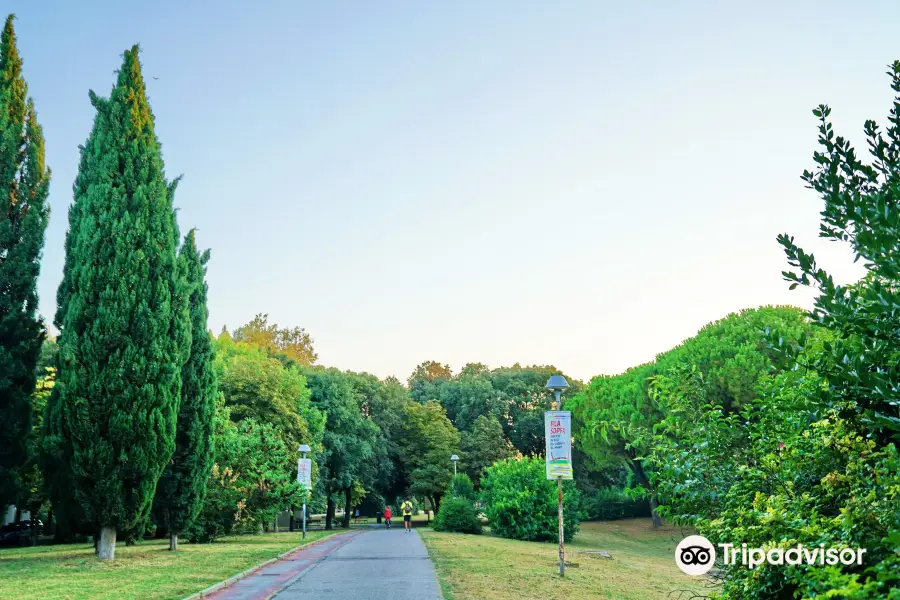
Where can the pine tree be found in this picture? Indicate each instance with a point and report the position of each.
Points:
(24, 186)
(123, 318)
(182, 489)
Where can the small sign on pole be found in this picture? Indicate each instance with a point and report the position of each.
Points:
(558, 433)
(304, 472)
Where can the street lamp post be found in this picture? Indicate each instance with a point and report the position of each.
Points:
(304, 449)
(558, 383)
(454, 458)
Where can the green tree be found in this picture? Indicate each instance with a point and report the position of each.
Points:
(125, 327)
(384, 403)
(426, 380)
(470, 395)
(524, 399)
(248, 485)
(292, 343)
(429, 440)
(348, 446)
(616, 415)
(269, 390)
(484, 445)
(182, 488)
(24, 186)
(258, 386)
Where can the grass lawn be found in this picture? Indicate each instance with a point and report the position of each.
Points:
(145, 571)
(488, 568)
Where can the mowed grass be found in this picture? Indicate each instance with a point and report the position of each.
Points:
(145, 571)
(482, 567)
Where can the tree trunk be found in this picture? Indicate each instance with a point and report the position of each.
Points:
(436, 504)
(107, 548)
(18, 514)
(48, 528)
(173, 542)
(347, 495)
(657, 520)
(638, 469)
(291, 521)
(329, 514)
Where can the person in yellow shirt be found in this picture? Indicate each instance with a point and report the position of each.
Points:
(407, 509)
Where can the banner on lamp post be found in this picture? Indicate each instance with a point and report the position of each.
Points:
(304, 472)
(558, 434)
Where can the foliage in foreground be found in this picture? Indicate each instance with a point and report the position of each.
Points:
(457, 515)
(813, 459)
(615, 417)
(521, 503)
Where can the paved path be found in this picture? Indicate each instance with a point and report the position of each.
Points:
(376, 564)
(262, 584)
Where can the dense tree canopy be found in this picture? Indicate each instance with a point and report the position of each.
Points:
(291, 343)
(258, 386)
(124, 323)
(616, 415)
(24, 186)
(425, 382)
(429, 440)
(350, 439)
(484, 445)
(182, 488)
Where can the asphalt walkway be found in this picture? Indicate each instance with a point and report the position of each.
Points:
(377, 564)
(380, 564)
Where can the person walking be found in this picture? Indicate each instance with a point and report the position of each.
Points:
(407, 509)
(387, 517)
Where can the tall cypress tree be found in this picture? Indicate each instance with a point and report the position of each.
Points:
(124, 325)
(182, 489)
(24, 186)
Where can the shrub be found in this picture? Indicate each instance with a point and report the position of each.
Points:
(611, 504)
(521, 503)
(457, 515)
(461, 486)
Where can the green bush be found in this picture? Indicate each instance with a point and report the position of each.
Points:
(461, 486)
(611, 504)
(521, 503)
(457, 515)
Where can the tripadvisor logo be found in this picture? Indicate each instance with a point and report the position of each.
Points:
(695, 555)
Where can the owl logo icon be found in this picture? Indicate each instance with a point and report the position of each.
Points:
(695, 555)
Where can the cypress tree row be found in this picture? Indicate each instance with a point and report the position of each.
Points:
(24, 186)
(124, 326)
(182, 489)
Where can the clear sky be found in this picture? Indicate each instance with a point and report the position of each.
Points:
(581, 183)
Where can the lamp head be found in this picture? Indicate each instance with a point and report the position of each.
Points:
(557, 383)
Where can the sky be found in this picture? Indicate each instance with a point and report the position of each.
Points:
(583, 184)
